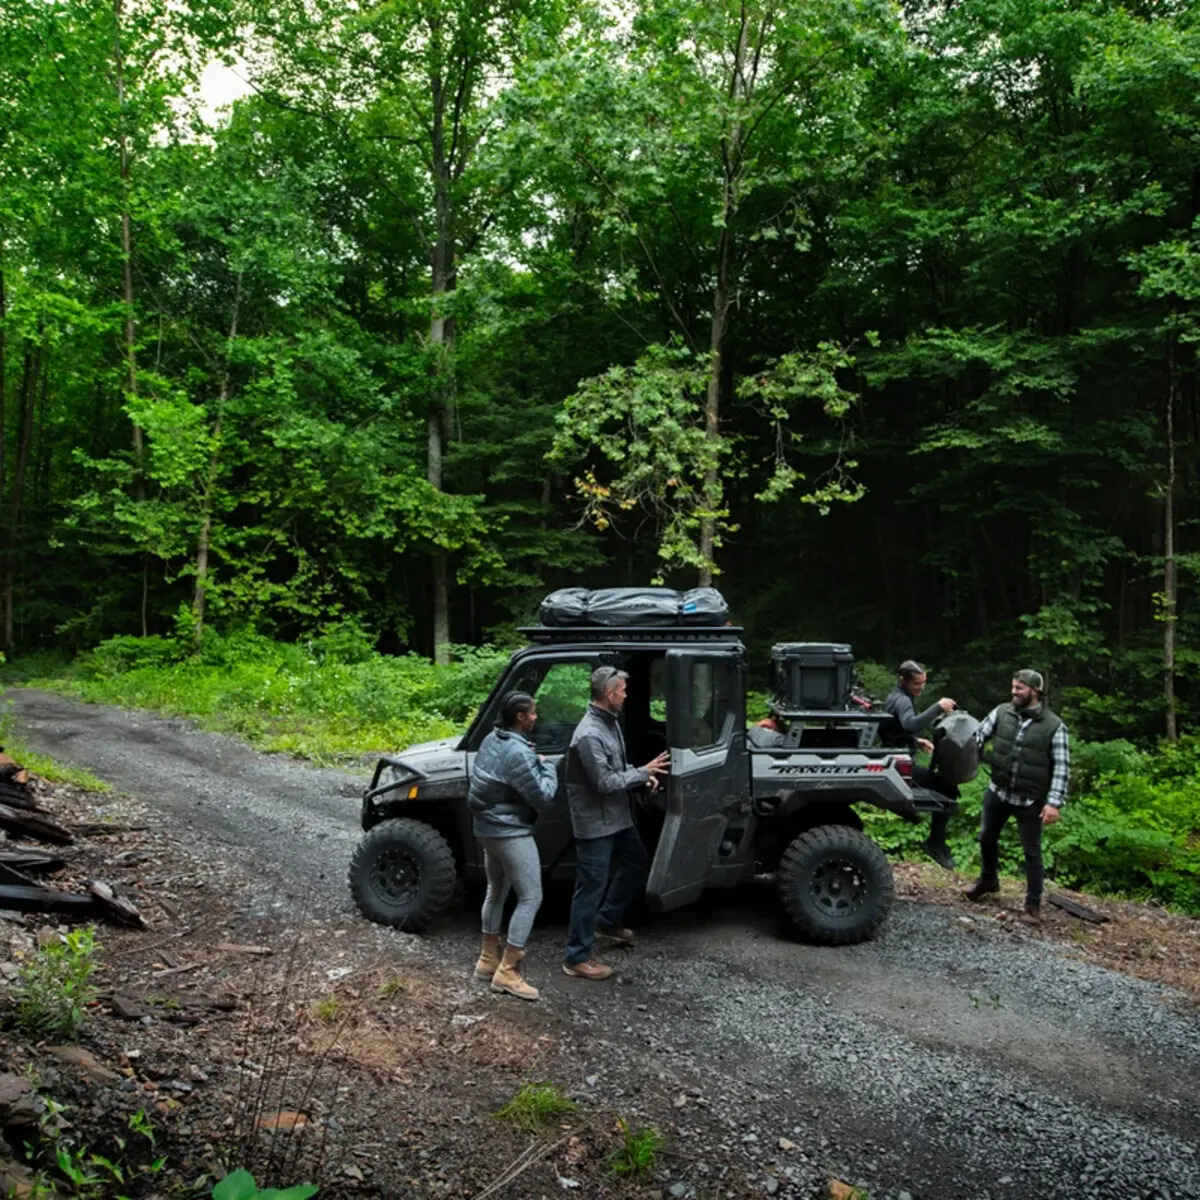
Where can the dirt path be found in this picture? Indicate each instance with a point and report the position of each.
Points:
(954, 1056)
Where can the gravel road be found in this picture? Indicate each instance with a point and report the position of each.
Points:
(950, 1057)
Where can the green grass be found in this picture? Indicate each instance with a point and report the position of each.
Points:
(637, 1152)
(311, 700)
(53, 772)
(535, 1106)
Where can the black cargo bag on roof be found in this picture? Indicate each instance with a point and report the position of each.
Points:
(567, 606)
(955, 751)
(634, 606)
(703, 606)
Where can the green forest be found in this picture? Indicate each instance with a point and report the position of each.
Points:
(881, 317)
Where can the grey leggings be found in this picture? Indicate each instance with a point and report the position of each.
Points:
(511, 863)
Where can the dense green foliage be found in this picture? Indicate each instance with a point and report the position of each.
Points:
(1131, 826)
(886, 314)
(328, 698)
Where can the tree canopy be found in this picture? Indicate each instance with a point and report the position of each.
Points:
(883, 318)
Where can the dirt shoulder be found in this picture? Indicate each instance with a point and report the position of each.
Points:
(1146, 941)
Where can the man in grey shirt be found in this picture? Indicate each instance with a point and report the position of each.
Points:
(610, 860)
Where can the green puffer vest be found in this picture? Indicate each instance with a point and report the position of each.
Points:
(1029, 774)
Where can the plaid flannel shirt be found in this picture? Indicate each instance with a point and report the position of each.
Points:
(1060, 761)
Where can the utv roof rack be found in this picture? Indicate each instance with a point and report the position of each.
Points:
(631, 633)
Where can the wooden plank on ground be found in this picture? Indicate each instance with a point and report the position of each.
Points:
(31, 860)
(33, 825)
(17, 795)
(1077, 910)
(41, 899)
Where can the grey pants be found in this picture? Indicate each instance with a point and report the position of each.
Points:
(512, 864)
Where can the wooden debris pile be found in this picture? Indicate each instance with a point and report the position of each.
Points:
(23, 819)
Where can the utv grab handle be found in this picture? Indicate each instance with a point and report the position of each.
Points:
(410, 776)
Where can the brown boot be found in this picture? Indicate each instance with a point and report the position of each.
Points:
(508, 976)
(588, 970)
(1032, 915)
(489, 956)
(983, 886)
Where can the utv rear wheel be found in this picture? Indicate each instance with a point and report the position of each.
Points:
(402, 874)
(836, 885)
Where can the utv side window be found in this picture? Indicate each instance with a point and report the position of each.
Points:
(704, 704)
(562, 698)
(711, 709)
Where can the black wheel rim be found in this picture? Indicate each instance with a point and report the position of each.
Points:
(838, 887)
(396, 876)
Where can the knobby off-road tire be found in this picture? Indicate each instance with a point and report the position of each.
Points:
(402, 874)
(836, 885)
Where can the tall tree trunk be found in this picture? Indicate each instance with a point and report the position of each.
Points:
(3, 379)
(203, 539)
(5, 551)
(441, 341)
(1169, 582)
(126, 230)
(732, 152)
(712, 412)
(29, 383)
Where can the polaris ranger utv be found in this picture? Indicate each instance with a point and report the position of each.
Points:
(729, 810)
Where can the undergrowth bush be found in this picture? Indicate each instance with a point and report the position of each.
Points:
(53, 989)
(1131, 826)
(326, 699)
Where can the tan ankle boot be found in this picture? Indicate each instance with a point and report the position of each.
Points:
(489, 956)
(508, 976)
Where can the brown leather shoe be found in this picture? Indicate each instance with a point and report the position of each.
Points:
(1032, 916)
(616, 933)
(587, 970)
(983, 886)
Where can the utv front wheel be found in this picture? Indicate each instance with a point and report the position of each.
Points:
(402, 874)
(836, 885)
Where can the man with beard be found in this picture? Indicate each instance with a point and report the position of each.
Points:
(1031, 763)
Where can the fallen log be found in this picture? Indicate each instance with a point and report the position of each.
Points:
(43, 899)
(35, 826)
(32, 860)
(1078, 910)
(10, 874)
(16, 795)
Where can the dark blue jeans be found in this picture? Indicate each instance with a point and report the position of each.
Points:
(609, 873)
(1029, 820)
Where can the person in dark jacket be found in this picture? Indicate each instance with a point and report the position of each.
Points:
(1031, 768)
(510, 782)
(906, 726)
(610, 860)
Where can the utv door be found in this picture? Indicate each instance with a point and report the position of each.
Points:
(706, 734)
